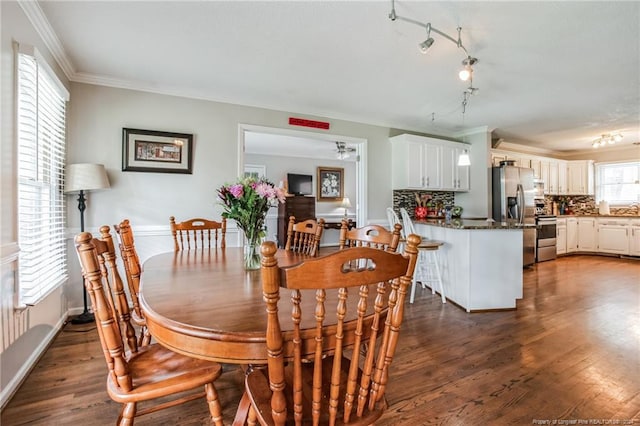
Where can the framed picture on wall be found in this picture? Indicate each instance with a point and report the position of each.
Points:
(330, 184)
(155, 151)
(255, 170)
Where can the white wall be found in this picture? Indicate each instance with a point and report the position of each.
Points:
(25, 333)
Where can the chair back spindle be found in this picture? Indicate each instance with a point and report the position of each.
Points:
(141, 373)
(374, 236)
(304, 237)
(357, 311)
(198, 233)
(133, 271)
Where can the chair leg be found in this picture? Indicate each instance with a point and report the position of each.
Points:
(214, 404)
(413, 290)
(439, 278)
(127, 414)
(252, 419)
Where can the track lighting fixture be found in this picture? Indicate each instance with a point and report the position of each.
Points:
(425, 45)
(607, 138)
(466, 74)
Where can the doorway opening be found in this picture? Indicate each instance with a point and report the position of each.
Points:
(303, 144)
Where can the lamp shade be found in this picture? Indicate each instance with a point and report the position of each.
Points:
(463, 159)
(85, 177)
(345, 203)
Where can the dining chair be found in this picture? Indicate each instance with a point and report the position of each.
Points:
(197, 233)
(330, 367)
(428, 269)
(374, 236)
(143, 373)
(133, 271)
(304, 237)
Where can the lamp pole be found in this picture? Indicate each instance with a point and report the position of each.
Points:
(81, 178)
(85, 317)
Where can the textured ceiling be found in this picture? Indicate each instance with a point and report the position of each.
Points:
(551, 75)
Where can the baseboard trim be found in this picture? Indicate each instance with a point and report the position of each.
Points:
(14, 384)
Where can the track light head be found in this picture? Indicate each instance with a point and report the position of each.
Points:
(467, 72)
(425, 45)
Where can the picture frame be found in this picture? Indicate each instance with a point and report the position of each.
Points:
(255, 170)
(156, 151)
(330, 184)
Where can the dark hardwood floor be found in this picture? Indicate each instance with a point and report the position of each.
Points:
(570, 351)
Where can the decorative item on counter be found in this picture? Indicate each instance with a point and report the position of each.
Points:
(563, 203)
(448, 213)
(422, 202)
(456, 211)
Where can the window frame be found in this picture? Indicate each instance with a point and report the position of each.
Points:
(598, 168)
(40, 138)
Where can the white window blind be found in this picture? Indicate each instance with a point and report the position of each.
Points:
(41, 104)
(618, 183)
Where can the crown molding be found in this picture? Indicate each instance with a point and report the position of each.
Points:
(42, 26)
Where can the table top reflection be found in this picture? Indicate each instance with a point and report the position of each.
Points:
(203, 303)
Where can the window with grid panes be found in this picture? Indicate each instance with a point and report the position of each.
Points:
(618, 183)
(41, 114)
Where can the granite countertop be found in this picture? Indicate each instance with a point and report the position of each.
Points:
(458, 223)
(596, 215)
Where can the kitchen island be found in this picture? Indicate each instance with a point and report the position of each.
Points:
(481, 261)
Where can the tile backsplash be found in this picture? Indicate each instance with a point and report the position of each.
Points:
(585, 205)
(407, 198)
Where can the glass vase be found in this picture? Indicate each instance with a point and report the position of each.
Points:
(251, 255)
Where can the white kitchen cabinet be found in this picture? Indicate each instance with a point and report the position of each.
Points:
(544, 175)
(427, 163)
(536, 165)
(454, 177)
(561, 236)
(580, 177)
(634, 237)
(433, 166)
(613, 236)
(415, 164)
(520, 160)
(572, 234)
(462, 172)
(497, 157)
(562, 177)
(587, 235)
(553, 177)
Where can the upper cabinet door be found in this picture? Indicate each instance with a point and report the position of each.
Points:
(536, 166)
(580, 177)
(415, 165)
(433, 166)
(449, 164)
(462, 172)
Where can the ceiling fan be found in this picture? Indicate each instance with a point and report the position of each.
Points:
(343, 152)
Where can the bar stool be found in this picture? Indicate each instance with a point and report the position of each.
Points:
(393, 219)
(428, 267)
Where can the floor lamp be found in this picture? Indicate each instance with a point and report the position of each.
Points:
(79, 179)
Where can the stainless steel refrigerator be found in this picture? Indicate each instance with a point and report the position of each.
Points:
(513, 193)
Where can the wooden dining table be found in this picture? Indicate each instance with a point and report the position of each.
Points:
(204, 304)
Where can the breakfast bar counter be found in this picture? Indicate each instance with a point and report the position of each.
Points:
(481, 261)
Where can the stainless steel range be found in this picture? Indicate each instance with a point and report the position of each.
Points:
(545, 238)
